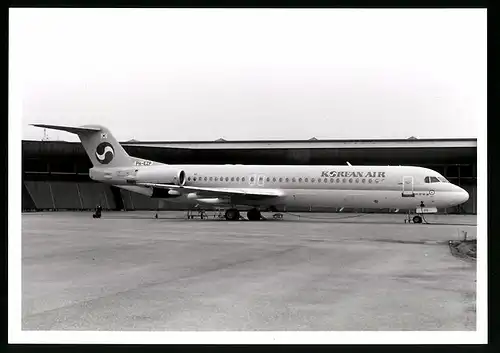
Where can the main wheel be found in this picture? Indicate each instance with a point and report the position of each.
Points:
(232, 214)
(253, 215)
(417, 219)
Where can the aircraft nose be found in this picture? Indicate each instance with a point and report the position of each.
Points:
(464, 195)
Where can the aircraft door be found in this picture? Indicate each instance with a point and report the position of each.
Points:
(407, 187)
(260, 180)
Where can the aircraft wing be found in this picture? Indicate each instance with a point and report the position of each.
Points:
(250, 192)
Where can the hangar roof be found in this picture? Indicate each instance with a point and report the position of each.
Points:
(423, 152)
(309, 144)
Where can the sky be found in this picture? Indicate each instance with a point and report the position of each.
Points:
(250, 74)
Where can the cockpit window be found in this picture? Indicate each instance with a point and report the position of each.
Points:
(443, 179)
(431, 179)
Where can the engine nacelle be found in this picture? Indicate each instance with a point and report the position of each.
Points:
(160, 174)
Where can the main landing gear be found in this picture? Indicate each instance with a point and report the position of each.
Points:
(233, 214)
(254, 215)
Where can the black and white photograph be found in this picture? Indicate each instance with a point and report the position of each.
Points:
(258, 175)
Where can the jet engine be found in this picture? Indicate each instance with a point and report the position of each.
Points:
(161, 174)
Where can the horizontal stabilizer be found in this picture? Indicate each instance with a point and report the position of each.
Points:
(99, 144)
(72, 129)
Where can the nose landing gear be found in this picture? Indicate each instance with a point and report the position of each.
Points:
(417, 219)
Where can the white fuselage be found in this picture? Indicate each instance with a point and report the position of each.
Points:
(401, 187)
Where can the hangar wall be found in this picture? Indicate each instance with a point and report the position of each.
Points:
(85, 196)
(55, 173)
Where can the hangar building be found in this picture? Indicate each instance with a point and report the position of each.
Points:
(55, 173)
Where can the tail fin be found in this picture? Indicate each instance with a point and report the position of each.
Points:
(100, 145)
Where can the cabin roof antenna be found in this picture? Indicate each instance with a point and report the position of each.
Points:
(349, 164)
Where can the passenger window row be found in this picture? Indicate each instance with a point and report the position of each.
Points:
(200, 178)
(287, 180)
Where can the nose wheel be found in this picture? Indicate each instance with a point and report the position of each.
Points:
(415, 219)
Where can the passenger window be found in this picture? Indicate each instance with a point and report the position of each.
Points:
(252, 179)
(243, 179)
(232, 178)
(319, 180)
(293, 180)
(331, 180)
(338, 180)
(216, 178)
(189, 178)
(237, 178)
(211, 178)
(281, 180)
(206, 178)
(350, 180)
(325, 180)
(313, 180)
(268, 179)
(370, 181)
(306, 180)
(274, 180)
(227, 178)
(363, 180)
(287, 180)
(344, 180)
(357, 181)
(300, 180)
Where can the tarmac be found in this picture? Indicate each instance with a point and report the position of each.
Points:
(325, 272)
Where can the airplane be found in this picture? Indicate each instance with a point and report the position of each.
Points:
(255, 188)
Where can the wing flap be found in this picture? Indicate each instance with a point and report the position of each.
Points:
(219, 191)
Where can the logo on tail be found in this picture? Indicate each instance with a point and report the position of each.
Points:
(104, 153)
